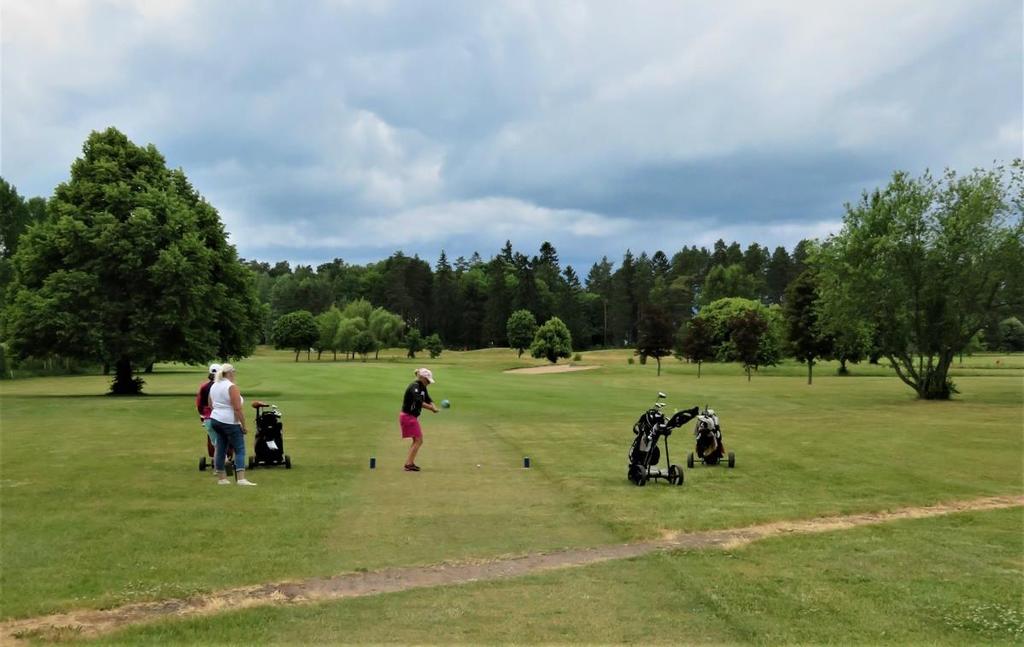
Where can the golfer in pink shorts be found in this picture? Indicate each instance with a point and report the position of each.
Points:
(416, 399)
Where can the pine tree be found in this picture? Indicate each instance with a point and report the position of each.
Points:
(777, 275)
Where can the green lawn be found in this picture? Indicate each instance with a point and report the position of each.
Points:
(102, 502)
(955, 580)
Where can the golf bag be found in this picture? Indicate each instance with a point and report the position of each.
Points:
(646, 431)
(708, 434)
(268, 448)
(644, 453)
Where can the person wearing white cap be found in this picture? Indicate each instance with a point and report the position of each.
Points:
(416, 399)
(204, 408)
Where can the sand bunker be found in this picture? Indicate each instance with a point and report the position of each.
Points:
(553, 368)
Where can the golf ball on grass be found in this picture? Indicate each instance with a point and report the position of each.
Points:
(445, 404)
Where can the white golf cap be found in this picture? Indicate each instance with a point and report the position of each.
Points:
(214, 368)
(425, 372)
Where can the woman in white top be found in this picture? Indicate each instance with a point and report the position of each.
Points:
(228, 423)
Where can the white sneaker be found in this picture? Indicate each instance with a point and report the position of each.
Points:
(245, 482)
(223, 482)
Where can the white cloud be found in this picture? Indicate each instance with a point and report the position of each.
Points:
(491, 220)
(782, 233)
(352, 123)
(686, 84)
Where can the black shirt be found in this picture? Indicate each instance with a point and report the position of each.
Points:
(414, 398)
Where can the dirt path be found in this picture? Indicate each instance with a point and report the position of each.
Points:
(87, 623)
(553, 368)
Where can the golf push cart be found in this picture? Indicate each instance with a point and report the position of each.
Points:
(710, 449)
(268, 447)
(644, 453)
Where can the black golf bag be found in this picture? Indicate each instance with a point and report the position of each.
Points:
(268, 448)
(644, 453)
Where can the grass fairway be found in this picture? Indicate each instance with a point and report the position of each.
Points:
(954, 580)
(102, 502)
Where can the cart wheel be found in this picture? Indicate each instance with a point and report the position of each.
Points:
(252, 463)
(675, 475)
(638, 475)
(689, 460)
(732, 459)
(202, 464)
(287, 462)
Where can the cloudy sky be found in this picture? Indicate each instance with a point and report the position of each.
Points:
(352, 128)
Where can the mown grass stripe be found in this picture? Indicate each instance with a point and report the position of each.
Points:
(350, 585)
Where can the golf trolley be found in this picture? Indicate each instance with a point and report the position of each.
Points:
(268, 447)
(710, 449)
(207, 461)
(644, 453)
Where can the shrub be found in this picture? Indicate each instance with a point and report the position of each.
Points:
(433, 345)
(1011, 331)
(552, 341)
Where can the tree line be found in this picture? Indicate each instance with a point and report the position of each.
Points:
(126, 264)
(467, 301)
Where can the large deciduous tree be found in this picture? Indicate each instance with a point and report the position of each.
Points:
(16, 214)
(131, 266)
(521, 328)
(386, 328)
(348, 329)
(928, 262)
(364, 344)
(723, 317)
(748, 329)
(327, 323)
(297, 331)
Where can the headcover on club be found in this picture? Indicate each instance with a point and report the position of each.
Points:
(683, 417)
